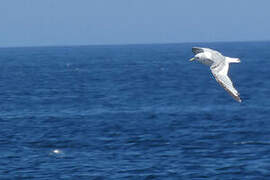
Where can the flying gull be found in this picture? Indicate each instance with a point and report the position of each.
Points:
(219, 66)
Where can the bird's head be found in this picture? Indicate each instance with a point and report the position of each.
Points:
(198, 53)
(197, 56)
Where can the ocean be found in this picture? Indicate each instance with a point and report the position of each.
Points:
(133, 112)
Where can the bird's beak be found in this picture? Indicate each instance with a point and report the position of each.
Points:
(192, 59)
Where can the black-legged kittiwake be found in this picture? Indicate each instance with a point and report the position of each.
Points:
(219, 66)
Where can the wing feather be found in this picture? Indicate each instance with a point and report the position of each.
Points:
(220, 73)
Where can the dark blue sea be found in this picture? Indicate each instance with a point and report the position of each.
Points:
(133, 112)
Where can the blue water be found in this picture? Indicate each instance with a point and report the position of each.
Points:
(133, 112)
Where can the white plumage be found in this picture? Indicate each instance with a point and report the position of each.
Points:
(219, 66)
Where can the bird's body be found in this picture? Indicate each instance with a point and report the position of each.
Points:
(219, 66)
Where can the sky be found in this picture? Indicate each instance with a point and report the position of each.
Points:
(90, 22)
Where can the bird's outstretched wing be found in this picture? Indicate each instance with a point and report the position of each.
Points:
(220, 73)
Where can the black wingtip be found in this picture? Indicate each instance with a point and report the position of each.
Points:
(237, 98)
(197, 50)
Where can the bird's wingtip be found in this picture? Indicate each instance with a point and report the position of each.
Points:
(239, 100)
(197, 50)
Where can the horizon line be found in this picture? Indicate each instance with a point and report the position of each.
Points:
(131, 44)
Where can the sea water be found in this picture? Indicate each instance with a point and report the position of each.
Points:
(133, 112)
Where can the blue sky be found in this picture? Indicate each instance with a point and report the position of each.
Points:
(82, 22)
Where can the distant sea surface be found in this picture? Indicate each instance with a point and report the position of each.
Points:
(133, 112)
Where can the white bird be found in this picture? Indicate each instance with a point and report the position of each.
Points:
(219, 66)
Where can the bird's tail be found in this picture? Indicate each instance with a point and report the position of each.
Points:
(232, 60)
